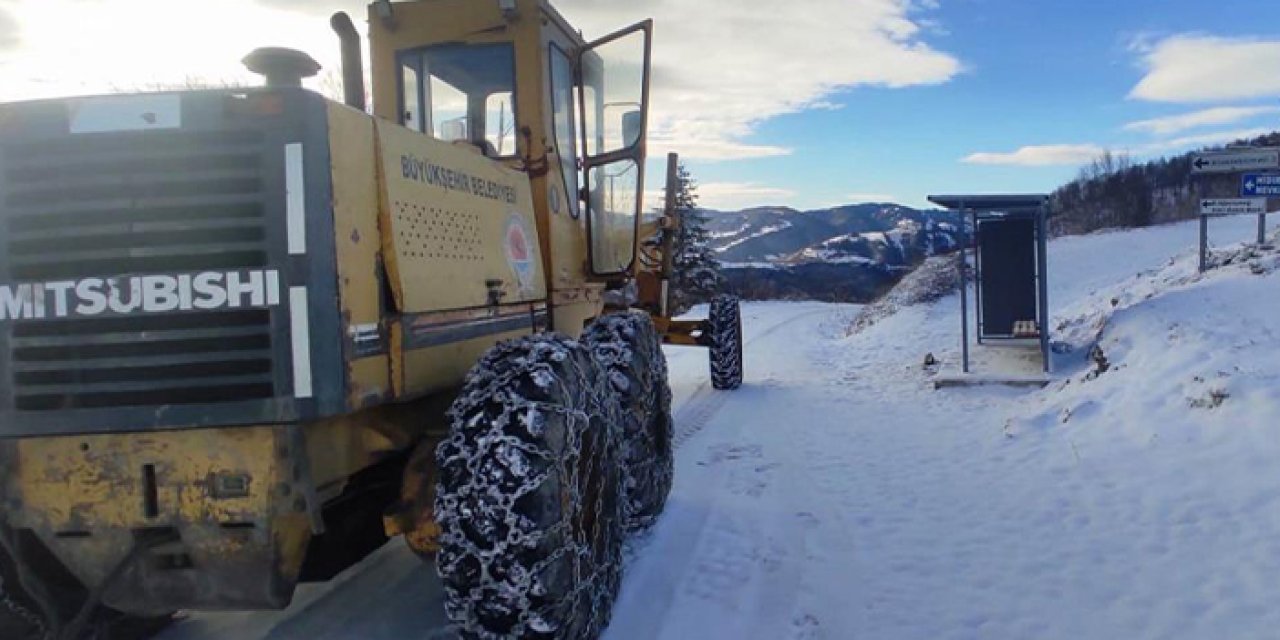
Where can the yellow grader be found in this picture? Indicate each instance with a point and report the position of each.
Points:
(249, 335)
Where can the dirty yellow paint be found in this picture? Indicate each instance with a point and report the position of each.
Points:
(443, 367)
(91, 482)
(358, 243)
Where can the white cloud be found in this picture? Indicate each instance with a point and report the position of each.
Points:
(858, 198)
(1216, 138)
(740, 195)
(131, 44)
(1039, 155)
(706, 147)
(1197, 68)
(9, 30)
(1169, 125)
(1079, 154)
(722, 67)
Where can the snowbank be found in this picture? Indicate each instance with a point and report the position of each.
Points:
(935, 278)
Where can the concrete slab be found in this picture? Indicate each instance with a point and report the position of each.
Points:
(1006, 362)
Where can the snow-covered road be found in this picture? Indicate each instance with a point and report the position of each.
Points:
(393, 596)
(837, 495)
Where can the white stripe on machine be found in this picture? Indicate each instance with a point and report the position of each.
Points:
(300, 324)
(295, 187)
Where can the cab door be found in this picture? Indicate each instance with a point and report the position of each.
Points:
(613, 104)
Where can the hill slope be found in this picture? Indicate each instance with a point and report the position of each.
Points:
(848, 253)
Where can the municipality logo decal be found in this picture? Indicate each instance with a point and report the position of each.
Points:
(518, 251)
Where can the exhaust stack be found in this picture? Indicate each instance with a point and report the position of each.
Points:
(352, 60)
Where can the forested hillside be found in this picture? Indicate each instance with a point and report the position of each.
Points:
(1113, 192)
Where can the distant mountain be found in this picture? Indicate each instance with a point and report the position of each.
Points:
(846, 253)
(772, 234)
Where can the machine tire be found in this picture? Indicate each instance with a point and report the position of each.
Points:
(530, 494)
(725, 336)
(627, 347)
(20, 617)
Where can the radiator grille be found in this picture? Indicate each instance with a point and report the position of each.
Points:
(137, 203)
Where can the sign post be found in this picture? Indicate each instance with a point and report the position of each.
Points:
(1260, 185)
(1228, 207)
(1232, 206)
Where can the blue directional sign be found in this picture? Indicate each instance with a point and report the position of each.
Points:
(1260, 185)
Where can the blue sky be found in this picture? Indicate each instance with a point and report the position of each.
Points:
(1034, 72)
(806, 104)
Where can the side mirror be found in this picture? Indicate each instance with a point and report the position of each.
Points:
(631, 122)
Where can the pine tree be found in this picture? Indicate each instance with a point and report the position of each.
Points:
(696, 276)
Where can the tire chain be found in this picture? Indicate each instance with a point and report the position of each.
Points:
(614, 340)
(486, 499)
(33, 619)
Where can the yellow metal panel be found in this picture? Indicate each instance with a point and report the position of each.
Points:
(572, 317)
(454, 221)
(418, 24)
(341, 447)
(96, 482)
(441, 368)
(355, 215)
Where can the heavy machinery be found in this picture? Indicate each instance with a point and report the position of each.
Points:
(247, 335)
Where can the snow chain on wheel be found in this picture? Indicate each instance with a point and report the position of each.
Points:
(529, 499)
(627, 346)
(23, 618)
(18, 620)
(20, 616)
(725, 329)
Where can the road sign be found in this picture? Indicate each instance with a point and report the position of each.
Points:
(1260, 185)
(1229, 161)
(1233, 206)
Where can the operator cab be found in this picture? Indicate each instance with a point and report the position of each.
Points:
(514, 80)
(461, 92)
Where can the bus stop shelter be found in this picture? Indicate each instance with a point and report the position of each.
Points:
(1011, 297)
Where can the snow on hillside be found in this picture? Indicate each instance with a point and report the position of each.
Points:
(759, 233)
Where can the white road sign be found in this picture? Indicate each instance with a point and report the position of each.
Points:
(1230, 161)
(1233, 206)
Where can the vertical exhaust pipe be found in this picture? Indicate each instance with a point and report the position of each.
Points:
(352, 60)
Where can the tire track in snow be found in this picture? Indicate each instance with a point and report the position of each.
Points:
(705, 551)
(695, 413)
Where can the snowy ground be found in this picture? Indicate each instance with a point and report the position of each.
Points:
(837, 495)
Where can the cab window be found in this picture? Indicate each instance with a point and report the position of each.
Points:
(461, 92)
(562, 113)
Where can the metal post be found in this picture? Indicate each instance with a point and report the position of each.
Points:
(964, 294)
(670, 229)
(1042, 266)
(977, 277)
(1204, 242)
(1262, 228)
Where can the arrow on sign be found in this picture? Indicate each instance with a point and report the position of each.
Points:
(1233, 160)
